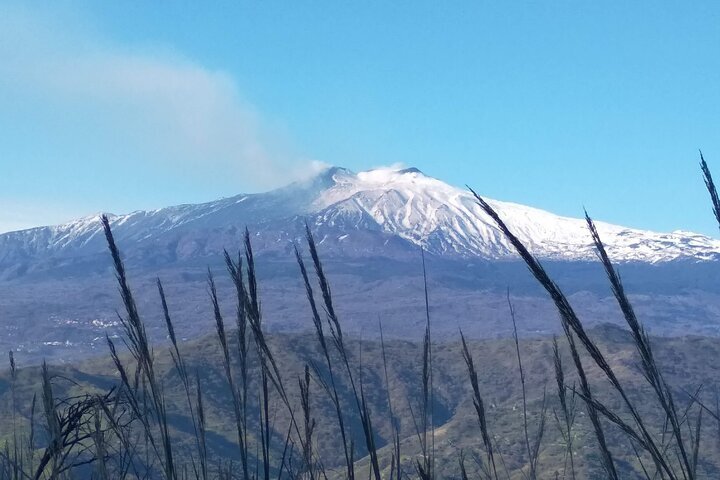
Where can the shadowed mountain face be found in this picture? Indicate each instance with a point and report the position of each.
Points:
(683, 361)
(57, 296)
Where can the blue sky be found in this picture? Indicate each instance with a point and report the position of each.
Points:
(117, 106)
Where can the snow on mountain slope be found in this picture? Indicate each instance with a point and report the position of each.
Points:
(404, 204)
(446, 219)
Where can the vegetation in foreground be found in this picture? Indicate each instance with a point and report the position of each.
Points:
(336, 408)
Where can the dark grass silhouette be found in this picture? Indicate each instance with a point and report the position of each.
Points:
(127, 432)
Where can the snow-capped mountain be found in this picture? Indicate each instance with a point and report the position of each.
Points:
(446, 219)
(377, 211)
(58, 297)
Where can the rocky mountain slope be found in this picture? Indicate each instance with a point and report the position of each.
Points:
(58, 297)
(381, 212)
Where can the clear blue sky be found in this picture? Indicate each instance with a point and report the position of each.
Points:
(117, 106)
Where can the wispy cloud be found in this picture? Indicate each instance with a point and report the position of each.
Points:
(170, 108)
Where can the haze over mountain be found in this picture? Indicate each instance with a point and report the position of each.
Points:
(57, 293)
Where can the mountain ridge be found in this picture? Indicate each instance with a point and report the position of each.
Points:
(400, 206)
(58, 294)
